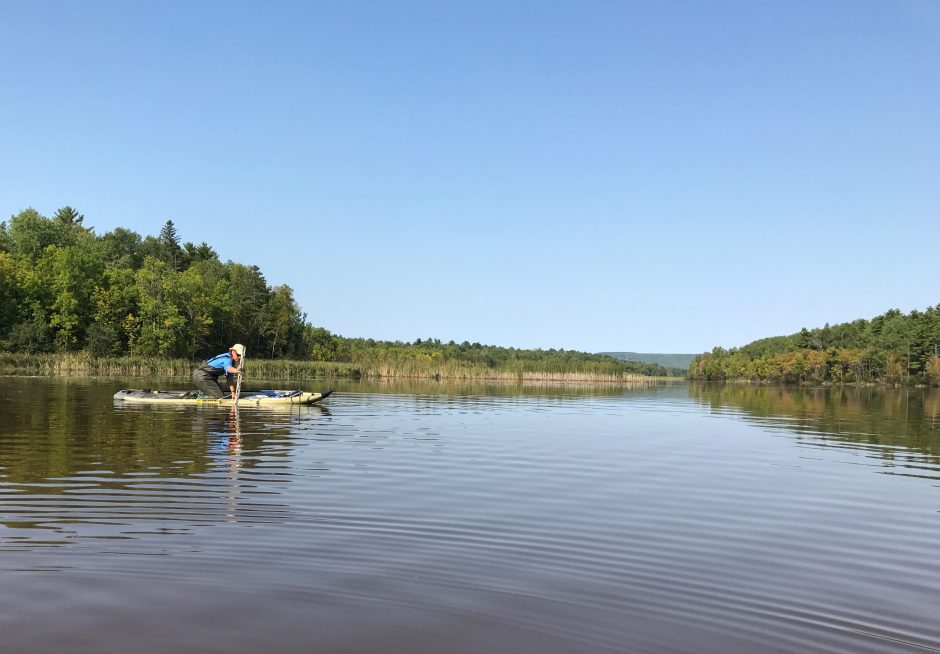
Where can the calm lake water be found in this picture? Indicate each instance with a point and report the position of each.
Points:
(435, 518)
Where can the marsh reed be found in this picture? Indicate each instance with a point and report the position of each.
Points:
(82, 363)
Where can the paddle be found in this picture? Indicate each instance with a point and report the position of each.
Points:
(238, 384)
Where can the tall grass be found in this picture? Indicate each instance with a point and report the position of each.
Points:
(82, 363)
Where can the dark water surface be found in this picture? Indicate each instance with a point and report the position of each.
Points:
(429, 518)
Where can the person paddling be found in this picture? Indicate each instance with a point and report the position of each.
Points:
(208, 377)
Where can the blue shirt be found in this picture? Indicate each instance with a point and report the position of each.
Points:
(221, 362)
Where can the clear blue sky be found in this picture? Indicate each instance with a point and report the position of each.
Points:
(657, 176)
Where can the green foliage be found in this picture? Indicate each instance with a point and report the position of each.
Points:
(6, 239)
(196, 300)
(171, 250)
(115, 301)
(280, 319)
(31, 336)
(201, 252)
(892, 348)
(248, 294)
(103, 340)
(64, 288)
(121, 248)
(9, 292)
(321, 344)
(68, 217)
(157, 329)
(31, 233)
(70, 274)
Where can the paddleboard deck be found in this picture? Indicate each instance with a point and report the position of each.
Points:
(247, 398)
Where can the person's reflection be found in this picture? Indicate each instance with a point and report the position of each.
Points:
(234, 457)
(233, 432)
(227, 446)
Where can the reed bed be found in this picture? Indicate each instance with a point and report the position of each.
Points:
(469, 371)
(82, 363)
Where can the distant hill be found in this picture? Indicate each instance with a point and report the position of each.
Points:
(665, 360)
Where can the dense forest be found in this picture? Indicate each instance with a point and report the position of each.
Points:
(62, 289)
(65, 289)
(893, 348)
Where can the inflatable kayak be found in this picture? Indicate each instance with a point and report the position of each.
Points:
(247, 398)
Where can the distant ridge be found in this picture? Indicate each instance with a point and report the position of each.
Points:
(665, 360)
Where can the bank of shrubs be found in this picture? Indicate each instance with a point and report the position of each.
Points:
(893, 348)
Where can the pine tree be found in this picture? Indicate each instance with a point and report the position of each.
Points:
(68, 216)
(172, 250)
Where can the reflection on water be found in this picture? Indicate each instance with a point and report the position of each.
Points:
(90, 468)
(905, 419)
(472, 518)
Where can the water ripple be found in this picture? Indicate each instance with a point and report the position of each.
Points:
(665, 519)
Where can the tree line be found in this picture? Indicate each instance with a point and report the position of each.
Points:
(893, 348)
(326, 346)
(63, 288)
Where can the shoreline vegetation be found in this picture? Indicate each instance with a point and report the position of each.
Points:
(84, 364)
(892, 349)
(76, 302)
